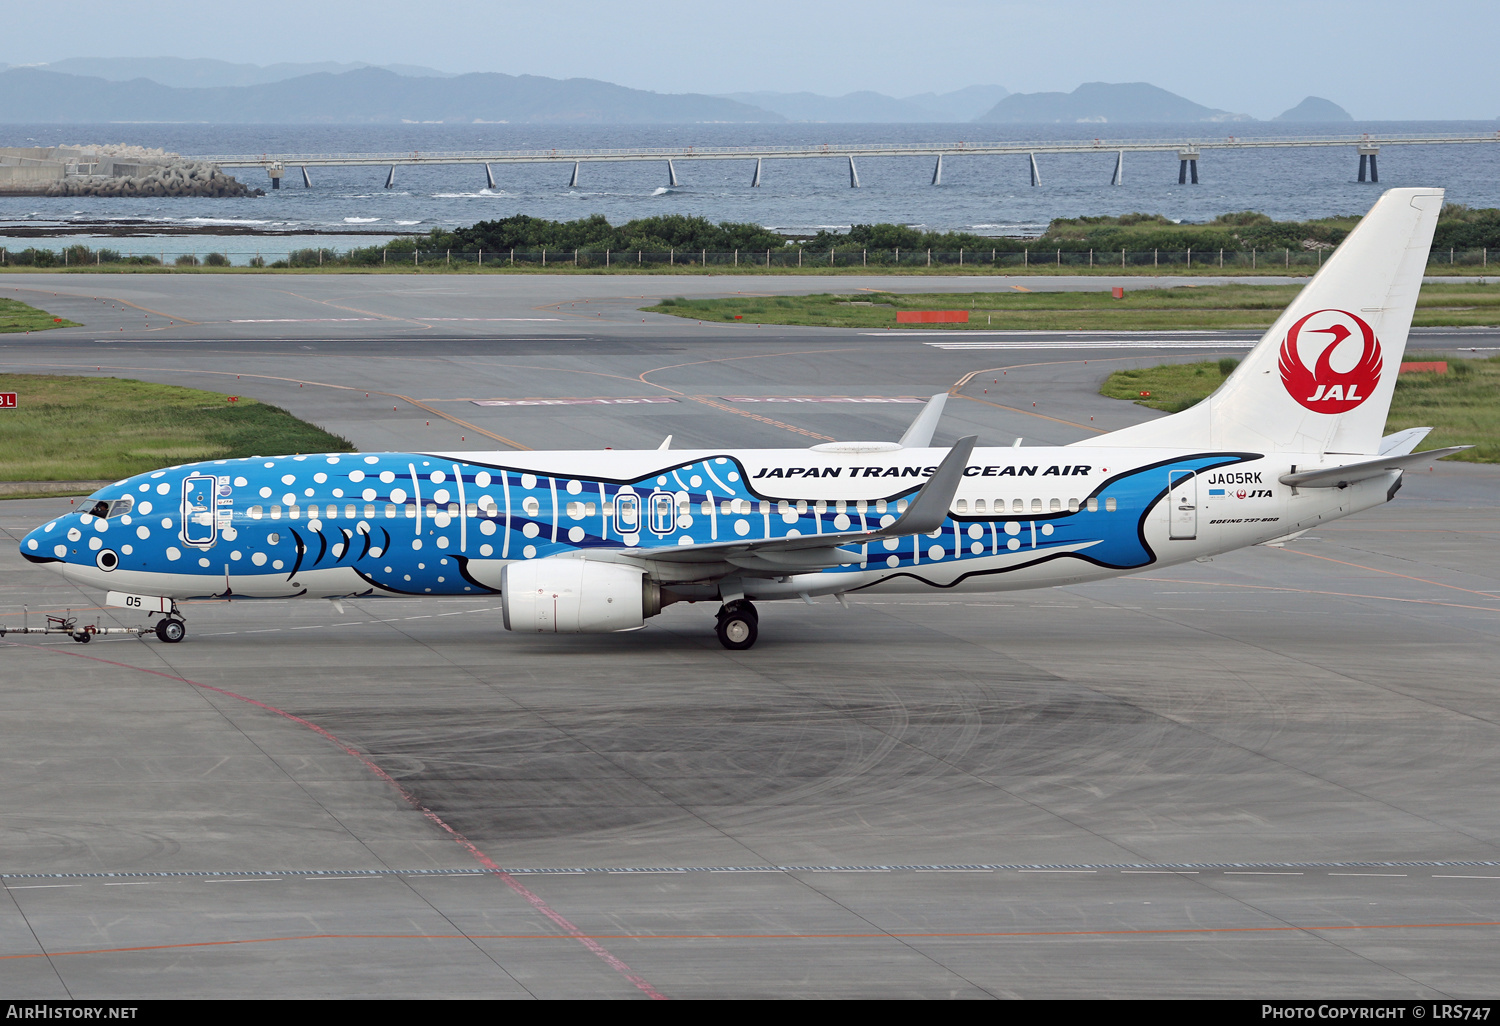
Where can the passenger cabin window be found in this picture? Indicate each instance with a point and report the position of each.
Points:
(627, 513)
(1093, 505)
(663, 513)
(963, 506)
(1109, 505)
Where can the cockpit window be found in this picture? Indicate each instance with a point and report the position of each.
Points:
(105, 509)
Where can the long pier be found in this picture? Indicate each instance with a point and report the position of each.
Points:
(1188, 151)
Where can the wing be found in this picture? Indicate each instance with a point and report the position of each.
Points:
(926, 513)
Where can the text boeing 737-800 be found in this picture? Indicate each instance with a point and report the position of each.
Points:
(581, 542)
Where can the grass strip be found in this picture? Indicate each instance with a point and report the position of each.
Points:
(1462, 407)
(87, 429)
(17, 316)
(1166, 309)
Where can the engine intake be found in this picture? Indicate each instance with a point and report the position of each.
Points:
(576, 596)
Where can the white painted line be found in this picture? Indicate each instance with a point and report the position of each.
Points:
(1367, 874)
(1057, 871)
(257, 879)
(1258, 872)
(38, 887)
(130, 883)
(322, 879)
(1440, 876)
(1168, 872)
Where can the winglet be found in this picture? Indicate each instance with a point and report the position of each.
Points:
(919, 435)
(929, 509)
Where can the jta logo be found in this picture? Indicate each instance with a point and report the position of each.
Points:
(1323, 389)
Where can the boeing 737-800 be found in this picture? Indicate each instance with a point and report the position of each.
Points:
(588, 542)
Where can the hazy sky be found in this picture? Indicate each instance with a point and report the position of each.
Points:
(1377, 58)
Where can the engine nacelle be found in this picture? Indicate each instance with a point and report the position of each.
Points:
(576, 596)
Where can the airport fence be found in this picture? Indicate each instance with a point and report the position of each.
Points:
(1035, 259)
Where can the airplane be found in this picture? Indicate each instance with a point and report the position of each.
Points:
(596, 542)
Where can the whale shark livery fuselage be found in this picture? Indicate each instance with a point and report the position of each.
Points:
(589, 542)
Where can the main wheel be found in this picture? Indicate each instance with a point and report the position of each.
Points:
(737, 631)
(171, 631)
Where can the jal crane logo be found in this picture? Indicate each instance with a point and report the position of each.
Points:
(1324, 389)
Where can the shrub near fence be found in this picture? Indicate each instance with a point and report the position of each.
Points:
(1035, 259)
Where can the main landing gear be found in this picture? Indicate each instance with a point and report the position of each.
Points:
(738, 625)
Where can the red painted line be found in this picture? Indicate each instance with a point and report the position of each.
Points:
(484, 860)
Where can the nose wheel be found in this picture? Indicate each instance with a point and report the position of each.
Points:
(171, 630)
(738, 625)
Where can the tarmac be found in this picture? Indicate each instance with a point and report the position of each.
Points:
(1267, 776)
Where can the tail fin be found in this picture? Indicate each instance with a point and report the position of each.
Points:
(1321, 379)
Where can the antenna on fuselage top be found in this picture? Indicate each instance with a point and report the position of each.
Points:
(666, 443)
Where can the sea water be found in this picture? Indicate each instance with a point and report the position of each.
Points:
(983, 194)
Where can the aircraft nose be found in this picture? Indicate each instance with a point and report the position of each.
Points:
(38, 547)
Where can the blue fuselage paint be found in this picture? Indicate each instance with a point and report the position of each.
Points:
(434, 524)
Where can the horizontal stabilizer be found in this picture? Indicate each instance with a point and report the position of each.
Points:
(1338, 477)
(1403, 442)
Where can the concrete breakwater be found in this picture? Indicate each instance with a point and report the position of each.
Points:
(111, 171)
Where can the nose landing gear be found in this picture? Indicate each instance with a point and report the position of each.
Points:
(171, 629)
(738, 625)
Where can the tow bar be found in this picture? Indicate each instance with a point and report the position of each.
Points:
(69, 625)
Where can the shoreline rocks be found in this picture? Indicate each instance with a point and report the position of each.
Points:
(115, 170)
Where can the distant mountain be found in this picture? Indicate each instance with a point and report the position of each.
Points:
(1315, 108)
(205, 72)
(1104, 102)
(362, 96)
(871, 107)
(962, 104)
